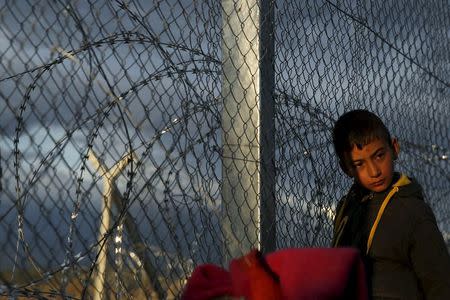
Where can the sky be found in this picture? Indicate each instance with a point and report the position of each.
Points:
(163, 62)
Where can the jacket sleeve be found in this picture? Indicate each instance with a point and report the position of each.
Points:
(429, 255)
(335, 221)
(338, 208)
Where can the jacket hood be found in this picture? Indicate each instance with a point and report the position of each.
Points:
(407, 187)
(412, 188)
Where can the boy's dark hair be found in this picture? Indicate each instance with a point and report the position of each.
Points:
(357, 127)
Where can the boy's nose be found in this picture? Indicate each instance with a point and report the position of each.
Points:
(374, 170)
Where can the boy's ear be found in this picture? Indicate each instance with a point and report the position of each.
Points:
(395, 148)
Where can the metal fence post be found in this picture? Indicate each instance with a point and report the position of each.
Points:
(109, 177)
(247, 128)
(267, 125)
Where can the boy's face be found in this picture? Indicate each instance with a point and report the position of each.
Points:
(372, 166)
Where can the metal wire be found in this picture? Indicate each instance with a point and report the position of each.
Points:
(159, 88)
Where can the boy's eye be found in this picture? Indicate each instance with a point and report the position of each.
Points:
(380, 155)
(357, 164)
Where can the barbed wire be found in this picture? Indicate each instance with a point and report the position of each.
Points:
(144, 82)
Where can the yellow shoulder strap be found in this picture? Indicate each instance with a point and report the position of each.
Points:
(404, 180)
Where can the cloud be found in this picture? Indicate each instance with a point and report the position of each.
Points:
(169, 112)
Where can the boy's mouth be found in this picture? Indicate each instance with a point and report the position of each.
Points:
(378, 183)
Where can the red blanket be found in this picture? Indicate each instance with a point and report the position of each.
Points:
(299, 273)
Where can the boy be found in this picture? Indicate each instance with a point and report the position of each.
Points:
(384, 215)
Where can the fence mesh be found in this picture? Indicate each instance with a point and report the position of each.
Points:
(115, 119)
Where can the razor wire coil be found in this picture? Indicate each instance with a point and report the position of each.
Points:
(86, 81)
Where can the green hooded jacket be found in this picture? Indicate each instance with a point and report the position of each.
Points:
(404, 252)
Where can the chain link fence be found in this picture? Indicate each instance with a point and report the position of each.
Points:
(141, 138)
